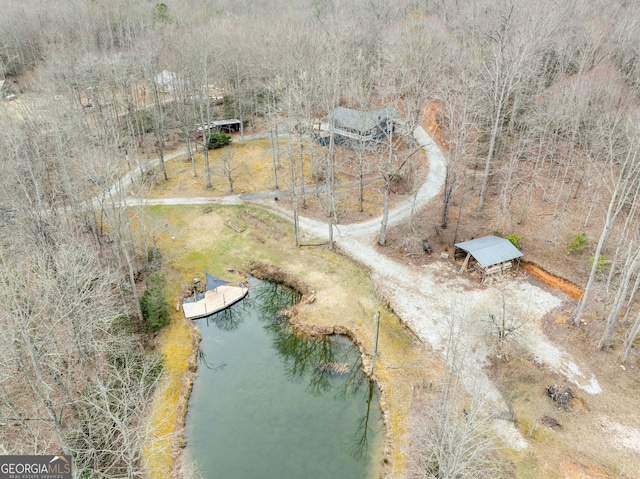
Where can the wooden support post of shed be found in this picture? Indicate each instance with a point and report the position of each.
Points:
(465, 263)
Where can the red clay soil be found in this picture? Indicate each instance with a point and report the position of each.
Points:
(547, 278)
(430, 124)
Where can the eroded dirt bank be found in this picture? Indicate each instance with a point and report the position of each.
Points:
(567, 287)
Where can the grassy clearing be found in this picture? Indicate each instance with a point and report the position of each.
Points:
(197, 240)
(252, 165)
(251, 162)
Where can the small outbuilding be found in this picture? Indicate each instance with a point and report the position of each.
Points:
(227, 126)
(488, 255)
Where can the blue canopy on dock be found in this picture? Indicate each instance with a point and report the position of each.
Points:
(213, 283)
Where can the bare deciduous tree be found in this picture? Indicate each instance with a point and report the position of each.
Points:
(111, 428)
(623, 171)
(451, 436)
(228, 169)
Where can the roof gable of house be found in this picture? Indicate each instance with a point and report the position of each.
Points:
(352, 119)
(361, 121)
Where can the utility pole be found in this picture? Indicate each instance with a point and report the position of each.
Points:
(376, 328)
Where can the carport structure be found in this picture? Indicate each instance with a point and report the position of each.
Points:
(228, 126)
(487, 255)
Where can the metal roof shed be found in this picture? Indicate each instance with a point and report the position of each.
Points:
(492, 254)
(221, 125)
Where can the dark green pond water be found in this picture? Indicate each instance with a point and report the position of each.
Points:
(268, 404)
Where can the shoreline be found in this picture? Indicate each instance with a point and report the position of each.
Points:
(162, 454)
(302, 326)
(311, 330)
(180, 441)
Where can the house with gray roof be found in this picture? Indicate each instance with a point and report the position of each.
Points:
(350, 124)
(168, 81)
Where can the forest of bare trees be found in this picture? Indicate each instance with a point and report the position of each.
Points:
(536, 104)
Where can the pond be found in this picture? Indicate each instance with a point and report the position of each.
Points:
(267, 403)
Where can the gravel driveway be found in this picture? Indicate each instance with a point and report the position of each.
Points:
(434, 299)
(430, 299)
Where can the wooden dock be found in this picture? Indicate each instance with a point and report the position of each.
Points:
(214, 300)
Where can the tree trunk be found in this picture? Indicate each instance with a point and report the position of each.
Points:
(302, 194)
(207, 167)
(592, 275)
(633, 334)
(492, 145)
(629, 269)
(388, 176)
(191, 156)
(204, 110)
(382, 238)
(159, 128)
(160, 150)
(294, 199)
(459, 218)
(274, 156)
(626, 178)
(361, 189)
(331, 199)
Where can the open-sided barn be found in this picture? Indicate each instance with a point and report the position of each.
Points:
(488, 255)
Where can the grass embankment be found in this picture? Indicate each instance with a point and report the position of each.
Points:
(197, 240)
(177, 344)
